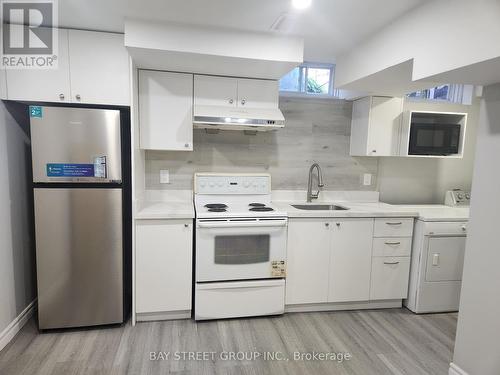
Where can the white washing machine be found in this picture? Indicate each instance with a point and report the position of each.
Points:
(437, 257)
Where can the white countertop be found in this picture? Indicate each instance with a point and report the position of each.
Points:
(355, 209)
(437, 212)
(179, 205)
(168, 204)
(165, 210)
(365, 204)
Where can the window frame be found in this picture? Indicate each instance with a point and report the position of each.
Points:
(465, 95)
(302, 80)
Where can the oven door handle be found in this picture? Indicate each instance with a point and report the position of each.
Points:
(242, 224)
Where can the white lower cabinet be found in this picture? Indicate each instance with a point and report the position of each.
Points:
(389, 278)
(308, 261)
(350, 260)
(391, 258)
(163, 272)
(328, 261)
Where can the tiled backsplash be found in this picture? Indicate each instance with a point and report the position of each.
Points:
(316, 130)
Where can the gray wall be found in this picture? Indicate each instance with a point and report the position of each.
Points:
(17, 284)
(316, 131)
(478, 330)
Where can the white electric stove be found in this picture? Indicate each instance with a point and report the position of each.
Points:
(240, 247)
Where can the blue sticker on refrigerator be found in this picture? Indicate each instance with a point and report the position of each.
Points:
(70, 170)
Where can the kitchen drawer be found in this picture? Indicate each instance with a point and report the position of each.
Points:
(389, 278)
(239, 298)
(391, 247)
(393, 227)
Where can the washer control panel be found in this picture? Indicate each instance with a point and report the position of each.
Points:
(457, 198)
(232, 184)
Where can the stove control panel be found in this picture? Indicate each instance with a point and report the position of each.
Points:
(232, 184)
(457, 198)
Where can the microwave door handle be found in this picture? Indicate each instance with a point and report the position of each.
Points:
(252, 224)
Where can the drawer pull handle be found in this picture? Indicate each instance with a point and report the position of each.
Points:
(393, 243)
(398, 223)
(392, 263)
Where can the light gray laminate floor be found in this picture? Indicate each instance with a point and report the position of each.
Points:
(380, 341)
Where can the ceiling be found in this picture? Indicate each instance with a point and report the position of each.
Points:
(328, 26)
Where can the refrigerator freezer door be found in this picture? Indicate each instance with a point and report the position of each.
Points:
(79, 257)
(75, 144)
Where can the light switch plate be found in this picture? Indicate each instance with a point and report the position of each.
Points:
(164, 176)
(367, 179)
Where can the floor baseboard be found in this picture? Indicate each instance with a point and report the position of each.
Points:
(15, 326)
(455, 370)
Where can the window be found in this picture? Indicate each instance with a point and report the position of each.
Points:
(310, 79)
(450, 93)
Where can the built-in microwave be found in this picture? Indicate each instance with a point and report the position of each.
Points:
(434, 139)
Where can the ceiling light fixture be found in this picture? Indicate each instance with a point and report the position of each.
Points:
(301, 4)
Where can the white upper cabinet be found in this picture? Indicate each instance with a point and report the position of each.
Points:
(218, 91)
(166, 110)
(99, 68)
(235, 92)
(43, 85)
(257, 93)
(376, 126)
(93, 68)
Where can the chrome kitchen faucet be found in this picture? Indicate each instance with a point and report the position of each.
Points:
(310, 194)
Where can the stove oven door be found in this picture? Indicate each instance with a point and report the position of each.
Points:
(240, 249)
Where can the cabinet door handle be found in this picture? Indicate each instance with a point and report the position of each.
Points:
(61, 96)
(78, 97)
(243, 101)
(391, 263)
(393, 243)
(327, 225)
(231, 101)
(186, 225)
(398, 223)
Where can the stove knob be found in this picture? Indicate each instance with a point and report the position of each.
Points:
(211, 184)
(460, 196)
(219, 184)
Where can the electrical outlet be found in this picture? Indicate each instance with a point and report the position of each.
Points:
(367, 179)
(164, 176)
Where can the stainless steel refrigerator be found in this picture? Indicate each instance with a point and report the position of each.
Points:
(78, 198)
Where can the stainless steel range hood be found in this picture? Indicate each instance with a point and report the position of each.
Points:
(226, 118)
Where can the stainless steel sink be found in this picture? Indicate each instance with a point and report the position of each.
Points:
(320, 207)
